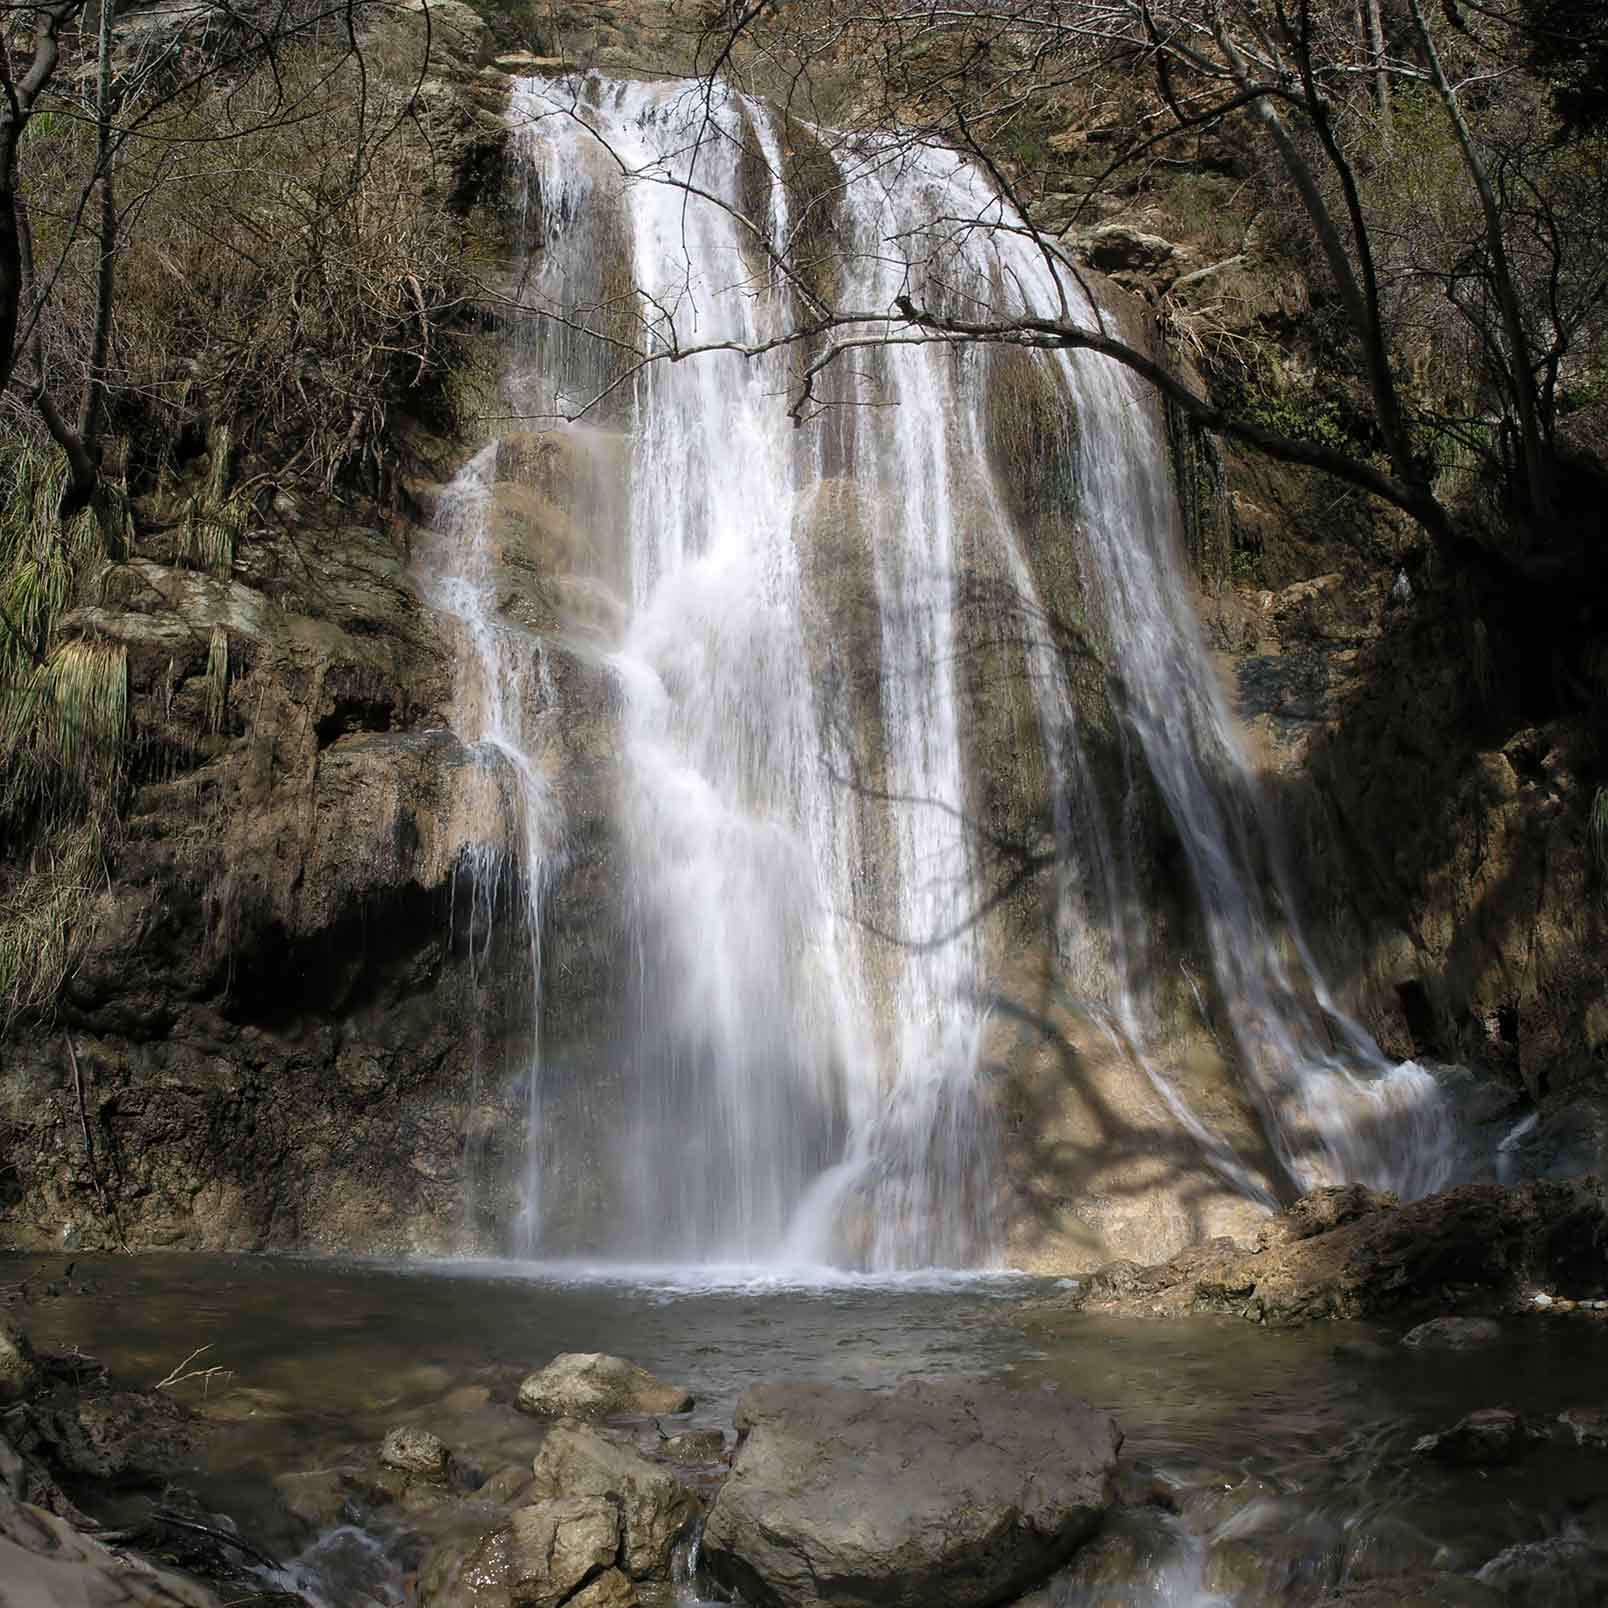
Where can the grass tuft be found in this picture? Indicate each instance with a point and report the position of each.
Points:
(64, 710)
(217, 678)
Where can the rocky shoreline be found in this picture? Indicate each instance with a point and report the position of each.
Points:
(590, 1483)
(1353, 1252)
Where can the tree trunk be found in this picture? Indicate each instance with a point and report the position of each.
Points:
(92, 408)
(1376, 48)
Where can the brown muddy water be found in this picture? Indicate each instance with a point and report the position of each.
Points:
(1260, 1468)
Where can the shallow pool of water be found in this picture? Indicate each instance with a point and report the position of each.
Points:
(1277, 1464)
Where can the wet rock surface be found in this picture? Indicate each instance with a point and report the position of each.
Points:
(1480, 1246)
(1453, 1334)
(1562, 1572)
(417, 1451)
(592, 1385)
(694, 1447)
(655, 1508)
(1416, 1591)
(82, 1444)
(1587, 1426)
(560, 1546)
(1493, 1435)
(939, 1496)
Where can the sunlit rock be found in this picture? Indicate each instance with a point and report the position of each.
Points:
(655, 1508)
(592, 1384)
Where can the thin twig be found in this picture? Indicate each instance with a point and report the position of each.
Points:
(162, 1516)
(179, 1376)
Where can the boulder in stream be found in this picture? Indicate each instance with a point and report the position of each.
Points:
(1587, 1425)
(1489, 1438)
(592, 1384)
(1453, 1334)
(949, 1495)
(611, 1589)
(409, 1450)
(654, 1506)
(20, 1373)
(561, 1545)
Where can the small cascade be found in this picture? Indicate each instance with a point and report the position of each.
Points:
(798, 1074)
(1334, 1108)
(503, 685)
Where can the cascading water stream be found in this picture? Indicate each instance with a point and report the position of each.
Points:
(796, 820)
(1333, 1106)
(503, 684)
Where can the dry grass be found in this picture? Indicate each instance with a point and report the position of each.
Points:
(290, 271)
(217, 678)
(209, 536)
(63, 727)
(319, 263)
(291, 274)
(63, 740)
(41, 916)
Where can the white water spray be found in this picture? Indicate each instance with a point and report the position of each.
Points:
(800, 1076)
(504, 690)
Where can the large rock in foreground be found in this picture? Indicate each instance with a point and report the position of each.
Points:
(654, 1507)
(942, 1496)
(46, 1563)
(592, 1384)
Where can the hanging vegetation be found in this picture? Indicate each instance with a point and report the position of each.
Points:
(63, 729)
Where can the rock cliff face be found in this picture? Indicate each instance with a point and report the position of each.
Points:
(301, 1012)
(267, 1034)
(279, 1027)
(1446, 826)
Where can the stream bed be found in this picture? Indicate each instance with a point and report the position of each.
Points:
(1259, 1467)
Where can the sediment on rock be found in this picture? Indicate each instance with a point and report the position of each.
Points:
(1481, 1247)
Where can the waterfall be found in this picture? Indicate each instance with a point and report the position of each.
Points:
(799, 1074)
(503, 690)
(1333, 1107)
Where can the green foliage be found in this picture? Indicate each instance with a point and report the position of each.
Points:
(63, 722)
(39, 561)
(1201, 208)
(513, 24)
(48, 125)
(1304, 412)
